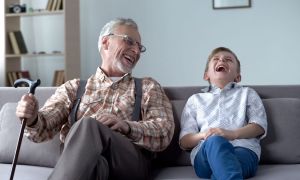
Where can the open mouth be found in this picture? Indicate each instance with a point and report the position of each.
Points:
(129, 58)
(220, 69)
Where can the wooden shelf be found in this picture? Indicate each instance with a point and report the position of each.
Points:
(36, 13)
(33, 55)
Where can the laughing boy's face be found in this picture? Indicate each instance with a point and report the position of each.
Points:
(222, 69)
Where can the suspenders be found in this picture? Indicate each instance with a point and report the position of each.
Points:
(137, 104)
(138, 99)
(79, 93)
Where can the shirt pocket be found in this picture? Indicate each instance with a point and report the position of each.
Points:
(124, 105)
(89, 106)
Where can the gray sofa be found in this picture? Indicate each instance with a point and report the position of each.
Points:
(280, 149)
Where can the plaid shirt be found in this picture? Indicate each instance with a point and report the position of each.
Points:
(154, 131)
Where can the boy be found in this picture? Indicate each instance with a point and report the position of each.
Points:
(223, 126)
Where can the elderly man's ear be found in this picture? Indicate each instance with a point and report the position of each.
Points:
(105, 42)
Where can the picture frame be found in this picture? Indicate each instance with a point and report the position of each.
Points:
(227, 4)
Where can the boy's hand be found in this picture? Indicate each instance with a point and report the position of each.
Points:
(228, 134)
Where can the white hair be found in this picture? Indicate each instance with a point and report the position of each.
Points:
(111, 25)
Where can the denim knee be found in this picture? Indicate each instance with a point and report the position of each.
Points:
(215, 139)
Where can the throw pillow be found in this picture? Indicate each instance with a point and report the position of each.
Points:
(282, 142)
(38, 154)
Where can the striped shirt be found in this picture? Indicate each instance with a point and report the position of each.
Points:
(102, 95)
(231, 108)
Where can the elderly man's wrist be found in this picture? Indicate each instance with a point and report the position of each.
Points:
(33, 122)
(129, 129)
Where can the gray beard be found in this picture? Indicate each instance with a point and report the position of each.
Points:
(123, 68)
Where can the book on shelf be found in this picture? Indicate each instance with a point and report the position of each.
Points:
(17, 42)
(59, 78)
(54, 5)
(12, 76)
(53, 8)
(21, 42)
(58, 5)
(13, 42)
(49, 5)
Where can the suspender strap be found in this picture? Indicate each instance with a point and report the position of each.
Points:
(80, 91)
(137, 104)
(138, 99)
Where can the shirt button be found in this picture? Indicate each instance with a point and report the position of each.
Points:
(114, 86)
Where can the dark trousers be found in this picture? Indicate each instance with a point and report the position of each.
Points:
(92, 151)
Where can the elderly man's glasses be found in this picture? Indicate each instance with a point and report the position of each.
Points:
(129, 41)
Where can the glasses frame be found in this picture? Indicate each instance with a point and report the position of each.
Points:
(129, 41)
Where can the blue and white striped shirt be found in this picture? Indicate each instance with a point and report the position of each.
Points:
(229, 108)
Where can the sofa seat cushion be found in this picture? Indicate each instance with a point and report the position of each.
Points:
(264, 172)
(24, 172)
(277, 172)
(39, 154)
(176, 172)
(282, 142)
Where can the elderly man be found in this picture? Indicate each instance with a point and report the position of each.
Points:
(105, 142)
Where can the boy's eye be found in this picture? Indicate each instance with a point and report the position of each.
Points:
(228, 60)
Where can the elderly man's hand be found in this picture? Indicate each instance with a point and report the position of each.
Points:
(27, 108)
(114, 123)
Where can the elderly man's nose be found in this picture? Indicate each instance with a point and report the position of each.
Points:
(135, 48)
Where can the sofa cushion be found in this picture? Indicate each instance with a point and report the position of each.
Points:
(25, 172)
(39, 154)
(282, 142)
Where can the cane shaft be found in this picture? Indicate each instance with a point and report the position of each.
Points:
(18, 149)
(32, 85)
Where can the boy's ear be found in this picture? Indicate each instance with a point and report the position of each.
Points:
(206, 77)
(238, 78)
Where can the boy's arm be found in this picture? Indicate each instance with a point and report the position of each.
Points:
(251, 130)
(189, 141)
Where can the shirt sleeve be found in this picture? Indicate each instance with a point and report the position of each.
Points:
(54, 114)
(188, 122)
(255, 111)
(155, 131)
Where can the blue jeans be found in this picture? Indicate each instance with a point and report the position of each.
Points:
(218, 159)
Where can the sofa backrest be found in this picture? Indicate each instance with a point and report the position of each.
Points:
(10, 94)
(282, 104)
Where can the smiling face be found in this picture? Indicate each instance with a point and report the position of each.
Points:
(222, 68)
(118, 55)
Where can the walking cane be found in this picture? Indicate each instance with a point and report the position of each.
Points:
(32, 85)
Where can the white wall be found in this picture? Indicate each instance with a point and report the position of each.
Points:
(43, 34)
(179, 35)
